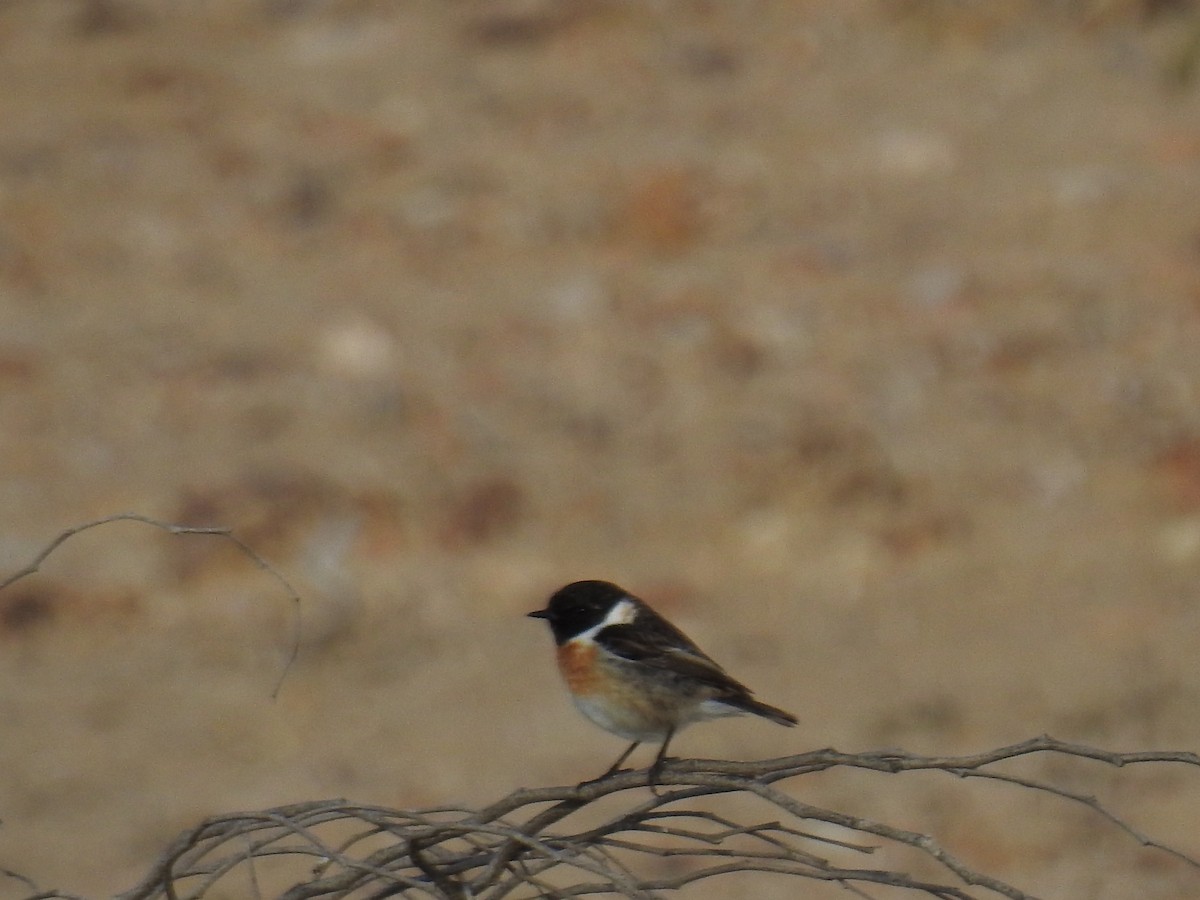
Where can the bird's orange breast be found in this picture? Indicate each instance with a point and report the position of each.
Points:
(577, 662)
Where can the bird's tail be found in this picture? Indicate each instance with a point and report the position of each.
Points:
(774, 713)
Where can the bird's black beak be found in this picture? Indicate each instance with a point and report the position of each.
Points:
(539, 614)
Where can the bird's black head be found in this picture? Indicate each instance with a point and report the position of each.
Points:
(579, 606)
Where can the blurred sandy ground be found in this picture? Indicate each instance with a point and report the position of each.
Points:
(860, 337)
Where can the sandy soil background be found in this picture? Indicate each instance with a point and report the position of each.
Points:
(863, 338)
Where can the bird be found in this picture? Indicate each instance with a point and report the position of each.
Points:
(636, 675)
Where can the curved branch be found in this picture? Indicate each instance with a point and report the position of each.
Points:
(176, 529)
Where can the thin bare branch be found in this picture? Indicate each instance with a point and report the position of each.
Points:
(176, 529)
(1088, 800)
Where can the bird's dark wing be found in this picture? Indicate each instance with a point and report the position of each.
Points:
(653, 641)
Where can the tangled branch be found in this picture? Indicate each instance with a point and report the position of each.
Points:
(536, 843)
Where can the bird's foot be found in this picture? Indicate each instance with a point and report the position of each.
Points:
(615, 770)
(655, 772)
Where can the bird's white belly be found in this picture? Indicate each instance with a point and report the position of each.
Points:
(620, 721)
(633, 725)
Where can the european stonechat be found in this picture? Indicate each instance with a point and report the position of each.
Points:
(635, 674)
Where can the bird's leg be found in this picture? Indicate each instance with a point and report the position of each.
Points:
(660, 760)
(615, 767)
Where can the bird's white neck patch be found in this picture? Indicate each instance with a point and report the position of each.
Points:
(622, 613)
